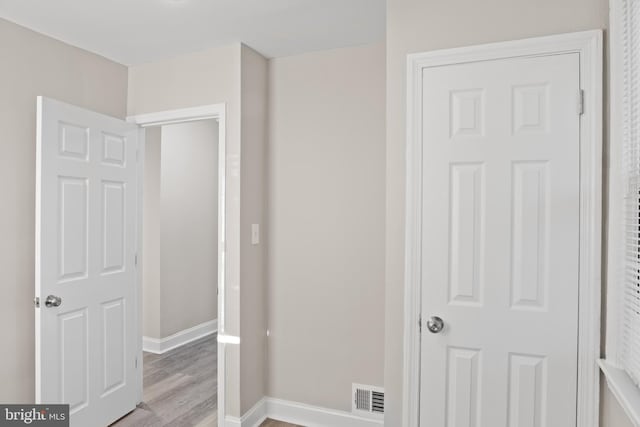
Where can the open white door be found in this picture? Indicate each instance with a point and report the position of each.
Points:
(86, 210)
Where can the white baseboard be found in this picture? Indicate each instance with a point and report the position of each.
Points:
(256, 415)
(299, 413)
(230, 421)
(252, 418)
(162, 345)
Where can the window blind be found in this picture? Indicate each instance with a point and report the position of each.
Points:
(630, 296)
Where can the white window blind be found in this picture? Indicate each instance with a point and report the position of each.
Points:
(630, 296)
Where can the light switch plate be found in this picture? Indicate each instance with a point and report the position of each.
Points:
(255, 234)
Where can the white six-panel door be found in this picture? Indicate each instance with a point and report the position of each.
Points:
(85, 255)
(500, 243)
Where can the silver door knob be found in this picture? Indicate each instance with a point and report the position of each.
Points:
(435, 324)
(53, 301)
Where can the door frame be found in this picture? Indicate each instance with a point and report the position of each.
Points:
(588, 44)
(212, 111)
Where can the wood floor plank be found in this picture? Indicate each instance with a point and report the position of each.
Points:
(180, 388)
(273, 423)
(210, 421)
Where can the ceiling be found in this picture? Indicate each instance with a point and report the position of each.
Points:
(138, 31)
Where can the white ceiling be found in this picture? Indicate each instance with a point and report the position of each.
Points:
(137, 31)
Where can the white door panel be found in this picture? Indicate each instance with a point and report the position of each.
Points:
(85, 254)
(500, 242)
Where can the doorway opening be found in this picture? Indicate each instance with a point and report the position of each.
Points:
(204, 120)
(179, 275)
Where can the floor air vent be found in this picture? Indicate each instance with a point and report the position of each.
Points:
(367, 400)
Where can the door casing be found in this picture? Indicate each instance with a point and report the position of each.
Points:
(588, 44)
(217, 112)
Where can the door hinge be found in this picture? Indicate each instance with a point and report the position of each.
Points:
(135, 259)
(420, 323)
(580, 102)
(36, 302)
(136, 362)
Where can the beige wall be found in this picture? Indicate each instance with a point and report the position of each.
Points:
(33, 65)
(181, 227)
(326, 224)
(253, 312)
(151, 235)
(209, 77)
(189, 225)
(419, 25)
(199, 78)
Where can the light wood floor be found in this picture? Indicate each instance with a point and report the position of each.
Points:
(180, 389)
(273, 423)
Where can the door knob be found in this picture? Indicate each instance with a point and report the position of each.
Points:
(53, 301)
(435, 324)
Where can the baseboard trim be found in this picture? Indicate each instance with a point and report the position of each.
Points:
(256, 415)
(162, 345)
(230, 421)
(299, 413)
(252, 418)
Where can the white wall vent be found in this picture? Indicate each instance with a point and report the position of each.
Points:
(367, 400)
